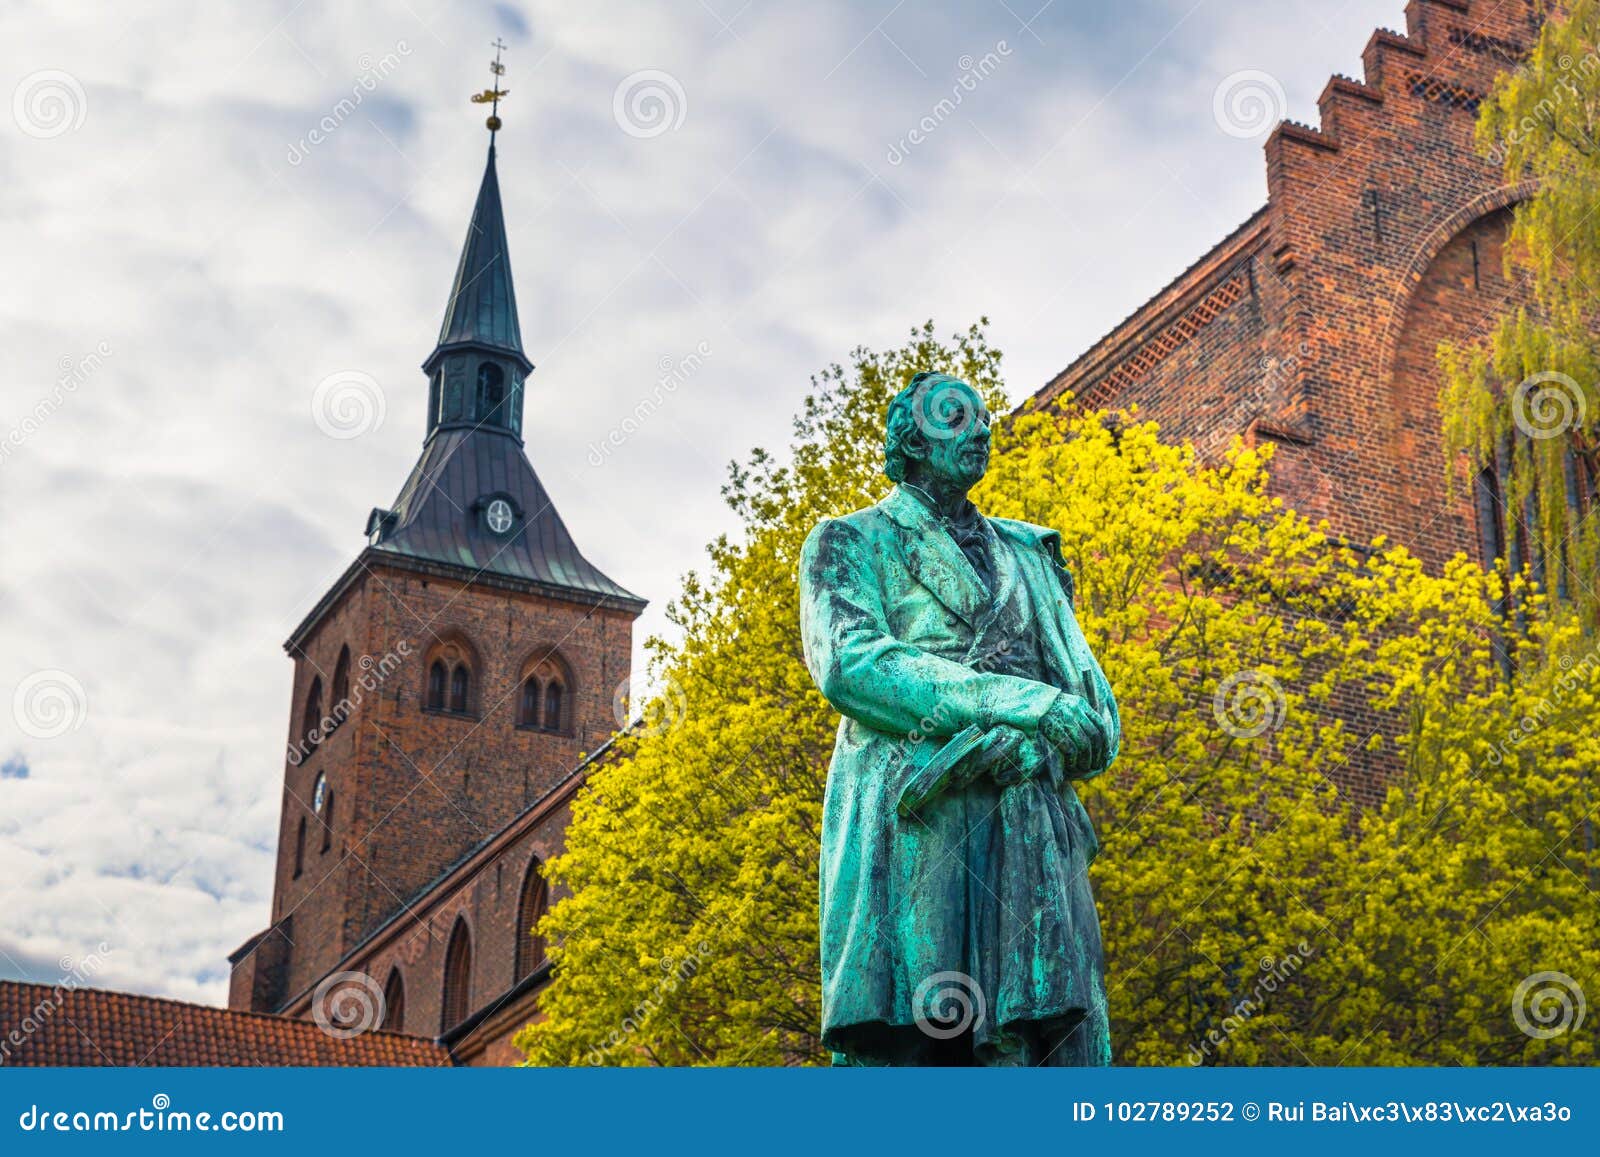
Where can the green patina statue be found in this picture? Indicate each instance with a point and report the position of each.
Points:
(958, 924)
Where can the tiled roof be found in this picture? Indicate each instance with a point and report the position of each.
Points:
(45, 1025)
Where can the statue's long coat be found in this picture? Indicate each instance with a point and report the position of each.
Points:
(986, 887)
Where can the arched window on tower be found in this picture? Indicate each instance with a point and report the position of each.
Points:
(311, 723)
(545, 702)
(491, 391)
(535, 901)
(327, 821)
(457, 978)
(436, 682)
(339, 703)
(300, 848)
(394, 1002)
(528, 711)
(450, 664)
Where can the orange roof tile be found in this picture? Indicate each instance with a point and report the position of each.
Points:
(45, 1025)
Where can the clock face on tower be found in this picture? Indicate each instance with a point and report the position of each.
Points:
(499, 516)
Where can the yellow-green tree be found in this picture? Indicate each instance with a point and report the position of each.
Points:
(1251, 914)
(1524, 403)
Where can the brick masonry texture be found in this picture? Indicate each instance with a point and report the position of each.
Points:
(417, 794)
(1314, 325)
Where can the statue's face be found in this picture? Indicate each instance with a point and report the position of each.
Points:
(955, 426)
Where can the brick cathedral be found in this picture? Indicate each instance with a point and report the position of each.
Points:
(449, 685)
(1313, 326)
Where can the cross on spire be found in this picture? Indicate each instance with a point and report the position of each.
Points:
(491, 96)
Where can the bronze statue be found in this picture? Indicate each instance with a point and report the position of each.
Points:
(958, 924)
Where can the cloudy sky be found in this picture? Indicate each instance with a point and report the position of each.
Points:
(212, 208)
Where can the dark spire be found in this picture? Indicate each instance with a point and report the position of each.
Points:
(473, 507)
(482, 309)
(476, 372)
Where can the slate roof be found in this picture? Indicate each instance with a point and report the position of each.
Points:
(438, 516)
(90, 1026)
(482, 307)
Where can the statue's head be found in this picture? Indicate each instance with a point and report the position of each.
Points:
(937, 432)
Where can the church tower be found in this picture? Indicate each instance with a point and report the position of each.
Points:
(454, 676)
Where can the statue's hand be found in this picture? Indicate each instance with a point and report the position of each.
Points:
(1011, 755)
(1075, 729)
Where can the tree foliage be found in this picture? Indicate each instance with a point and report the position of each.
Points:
(1523, 403)
(1252, 913)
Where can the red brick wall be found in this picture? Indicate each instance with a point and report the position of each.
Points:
(1382, 237)
(1363, 266)
(414, 790)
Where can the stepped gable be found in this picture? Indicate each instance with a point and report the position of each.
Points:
(1314, 325)
(1294, 328)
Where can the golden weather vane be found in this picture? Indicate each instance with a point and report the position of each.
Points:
(491, 96)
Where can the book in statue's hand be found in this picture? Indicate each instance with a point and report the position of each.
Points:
(938, 774)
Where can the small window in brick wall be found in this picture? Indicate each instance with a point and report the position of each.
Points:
(339, 704)
(544, 703)
(394, 1002)
(457, 1002)
(534, 902)
(449, 686)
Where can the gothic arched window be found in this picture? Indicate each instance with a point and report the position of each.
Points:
(545, 702)
(339, 703)
(535, 901)
(459, 689)
(491, 391)
(300, 848)
(327, 821)
(436, 681)
(457, 978)
(552, 707)
(394, 1003)
(312, 721)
